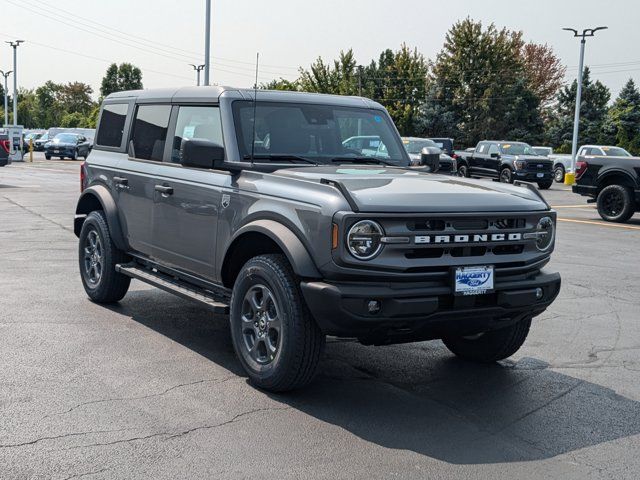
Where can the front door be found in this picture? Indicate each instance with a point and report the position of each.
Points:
(187, 200)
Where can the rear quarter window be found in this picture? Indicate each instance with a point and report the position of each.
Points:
(111, 127)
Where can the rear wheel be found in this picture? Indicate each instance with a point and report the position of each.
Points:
(545, 185)
(506, 176)
(616, 203)
(98, 257)
(558, 174)
(273, 333)
(490, 346)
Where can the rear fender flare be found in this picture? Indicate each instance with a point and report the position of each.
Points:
(92, 198)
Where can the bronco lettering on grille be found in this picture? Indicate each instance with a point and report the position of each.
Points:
(477, 238)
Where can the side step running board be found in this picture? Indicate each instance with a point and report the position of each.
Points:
(173, 285)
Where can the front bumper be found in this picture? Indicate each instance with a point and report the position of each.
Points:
(416, 312)
(57, 151)
(532, 176)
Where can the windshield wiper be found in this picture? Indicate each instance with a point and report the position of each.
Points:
(362, 160)
(276, 156)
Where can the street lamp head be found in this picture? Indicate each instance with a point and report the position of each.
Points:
(15, 43)
(575, 32)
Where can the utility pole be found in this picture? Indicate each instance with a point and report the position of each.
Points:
(198, 69)
(207, 42)
(15, 46)
(6, 96)
(570, 178)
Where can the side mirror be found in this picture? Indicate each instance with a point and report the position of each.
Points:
(430, 157)
(495, 155)
(201, 153)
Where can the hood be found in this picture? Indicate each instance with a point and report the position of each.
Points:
(381, 189)
(528, 158)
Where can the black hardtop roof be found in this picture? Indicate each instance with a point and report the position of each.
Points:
(213, 93)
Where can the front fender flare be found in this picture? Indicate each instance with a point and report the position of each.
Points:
(91, 198)
(293, 248)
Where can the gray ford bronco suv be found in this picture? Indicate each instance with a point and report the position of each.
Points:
(262, 211)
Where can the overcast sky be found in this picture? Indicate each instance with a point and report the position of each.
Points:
(64, 43)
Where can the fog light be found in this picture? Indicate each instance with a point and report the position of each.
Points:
(373, 306)
(539, 293)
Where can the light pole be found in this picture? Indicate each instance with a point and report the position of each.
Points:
(570, 178)
(6, 104)
(207, 42)
(15, 46)
(198, 69)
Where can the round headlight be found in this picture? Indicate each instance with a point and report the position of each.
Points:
(545, 231)
(363, 239)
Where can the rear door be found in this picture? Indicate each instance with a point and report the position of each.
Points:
(187, 200)
(136, 176)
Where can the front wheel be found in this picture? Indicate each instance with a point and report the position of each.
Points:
(273, 333)
(463, 171)
(74, 155)
(506, 176)
(492, 346)
(98, 258)
(545, 185)
(48, 157)
(558, 174)
(615, 203)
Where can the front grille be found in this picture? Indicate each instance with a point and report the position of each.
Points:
(539, 166)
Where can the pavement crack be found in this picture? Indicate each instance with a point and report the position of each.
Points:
(57, 437)
(93, 472)
(170, 435)
(33, 212)
(142, 397)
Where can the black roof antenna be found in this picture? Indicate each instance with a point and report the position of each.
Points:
(255, 101)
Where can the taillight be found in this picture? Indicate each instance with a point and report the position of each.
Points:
(454, 156)
(581, 167)
(83, 177)
(6, 145)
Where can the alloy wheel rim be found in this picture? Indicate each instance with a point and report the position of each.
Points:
(93, 258)
(505, 176)
(559, 175)
(261, 324)
(462, 172)
(613, 204)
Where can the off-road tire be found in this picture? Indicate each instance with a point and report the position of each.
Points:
(111, 286)
(490, 346)
(300, 340)
(616, 203)
(545, 185)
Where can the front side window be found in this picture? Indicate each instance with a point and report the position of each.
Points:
(196, 122)
(320, 133)
(150, 131)
(112, 125)
(493, 149)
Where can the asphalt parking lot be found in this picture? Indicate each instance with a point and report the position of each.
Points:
(150, 388)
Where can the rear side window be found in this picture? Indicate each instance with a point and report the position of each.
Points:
(196, 122)
(150, 131)
(112, 124)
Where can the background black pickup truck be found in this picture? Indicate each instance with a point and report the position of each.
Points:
(506, 161)
(614, 183)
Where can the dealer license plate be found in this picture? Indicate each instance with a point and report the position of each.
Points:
(56, 151)
(540, 175)
(473, 280)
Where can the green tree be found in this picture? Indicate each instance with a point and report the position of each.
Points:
(119, 78)
(50, 110)
(622, 124)
(74, 120)
(593, 111)
(76, 97)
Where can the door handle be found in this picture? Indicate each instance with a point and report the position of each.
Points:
(121, 181)
(164, 189)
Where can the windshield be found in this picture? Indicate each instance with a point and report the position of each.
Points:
(416, 146)
(516, 149)
(318, 133)
(66, 138)
(615, 152)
